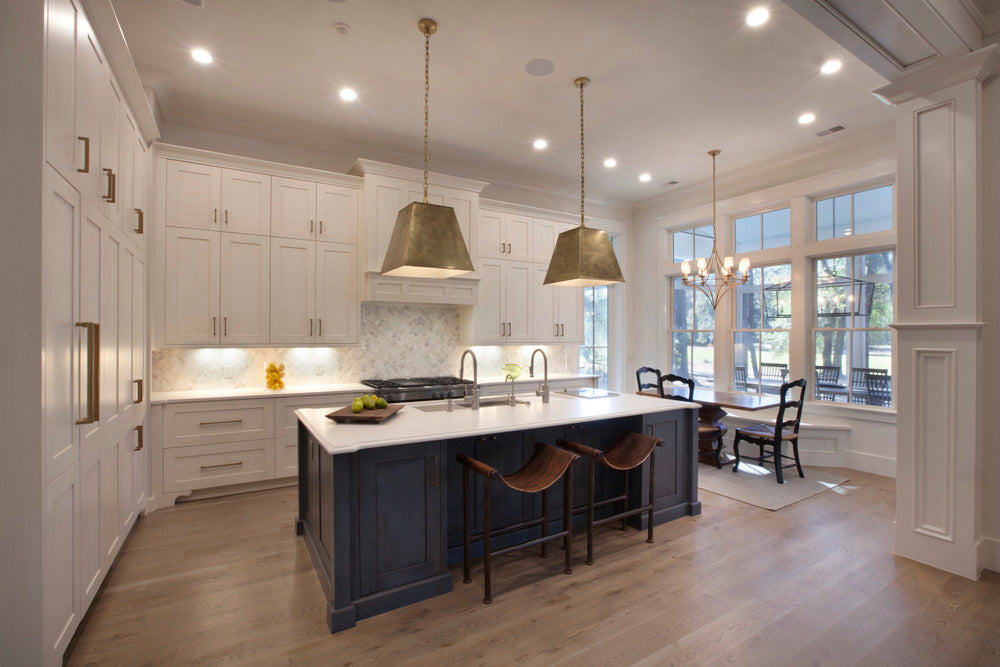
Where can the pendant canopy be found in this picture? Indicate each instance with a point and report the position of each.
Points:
(583, 257)
(426, 241)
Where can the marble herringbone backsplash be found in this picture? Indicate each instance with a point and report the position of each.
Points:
(396, 341)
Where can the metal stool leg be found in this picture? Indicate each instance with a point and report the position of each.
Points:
(488, 594)
(545, 521)
(568, 517)
(465, 525)
(590, 515)
(652, 454)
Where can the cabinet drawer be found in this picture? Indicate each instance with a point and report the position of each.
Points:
(286, 456)
(217, 421)
(284, 409)
(189, 468)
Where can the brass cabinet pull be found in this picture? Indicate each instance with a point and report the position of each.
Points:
(138, 430)
(110, 196)
(310, 226)
(215, 216)
(141, 219)
(224, 421)
(320, 226)
(138, 382)
(213, 325)
(86, 155)
(225, 326)
(652, 430)
(93, 372)
(556, 328)
(225, 216)
(562, 329)
(223, 465)
(310, 326)
(510, 331)
(320, 333)
(501, 247)
(434, 462)
(503, 329)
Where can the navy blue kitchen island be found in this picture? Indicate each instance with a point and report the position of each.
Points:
(380, 505)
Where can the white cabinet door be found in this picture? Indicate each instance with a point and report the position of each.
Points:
(245, 289)
(491, 327)
(337, 213)
(466, 207)
(134, 218)
(139, 384)
(545, 233)
(65, 373)
(491, 236)
(293, 208)
(518, 287)
(89, 66)
(337, 305)
(246, 202)
(193, 195)
(517, 235)
(126, 169)
(543, 325)
(111, 535)
(111, 276)
(89, 272)
(126, 502)
(61, 605)
(140, 469)
(293, 292)
(191, 300)
(569, 314)
(91, 568)
(60, 86)
(126, 327)
(110, 117)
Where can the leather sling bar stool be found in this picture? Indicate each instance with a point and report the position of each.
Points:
(628, 451)
(545, 467)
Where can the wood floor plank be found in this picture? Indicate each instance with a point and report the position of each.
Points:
(227, 581)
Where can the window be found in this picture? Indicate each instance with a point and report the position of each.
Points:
(761, 231)
(692, 335)
(761, 334)
(852, 337)
(854, 213)
(690, 244)
(594, 351)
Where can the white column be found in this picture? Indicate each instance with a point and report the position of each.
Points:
(939, 352)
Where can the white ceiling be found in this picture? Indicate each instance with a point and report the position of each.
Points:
(670, 80)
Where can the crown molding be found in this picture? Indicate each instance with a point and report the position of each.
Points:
(274, 168)
(104, 20)
(977, 65)
(364, 166)
(989, 22)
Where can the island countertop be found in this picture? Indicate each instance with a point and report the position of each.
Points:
(411, 424)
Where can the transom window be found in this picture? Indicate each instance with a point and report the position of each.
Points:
(853, 359)
(771, 229)
(692, 243)
(692, 335)
(761, 334)
(854, 213)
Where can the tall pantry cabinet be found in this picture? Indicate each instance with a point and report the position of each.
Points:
(95, 351)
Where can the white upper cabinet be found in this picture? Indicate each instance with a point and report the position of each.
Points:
(503, 315)
(569, 314)
(193, 195)
(336, 213)
(89, 67)
(545, 232)
(108, 165)
(293, 208)
(246, 202)
(125, 175)
(60, 86)
(337, 310)
(245, 289)
(557, 311)
(293, 291)
(504, 235)
(134, 219)
(191, 286)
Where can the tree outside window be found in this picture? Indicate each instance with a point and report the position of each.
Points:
(594, 351)
(761, 334)
(692, 335)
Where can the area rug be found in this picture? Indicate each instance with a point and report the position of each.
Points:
(756, 485)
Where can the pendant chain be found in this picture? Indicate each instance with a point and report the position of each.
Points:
(427, 93)
(582, 190)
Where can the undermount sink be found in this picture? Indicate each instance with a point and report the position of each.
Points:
(491, 402)
(440, 407)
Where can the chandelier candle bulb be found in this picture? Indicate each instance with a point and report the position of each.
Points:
(702, 263)
(745, 266)
(686, 268)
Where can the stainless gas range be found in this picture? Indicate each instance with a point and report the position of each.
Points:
(401, 390)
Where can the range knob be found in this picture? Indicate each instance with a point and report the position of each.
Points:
(438, 394)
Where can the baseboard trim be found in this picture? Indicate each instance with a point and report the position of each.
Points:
(989, 554)
(873, 463)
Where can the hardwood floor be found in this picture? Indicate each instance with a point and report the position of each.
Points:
(227, 581)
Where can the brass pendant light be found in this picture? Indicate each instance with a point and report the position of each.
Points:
(427, 241)
(583, 257)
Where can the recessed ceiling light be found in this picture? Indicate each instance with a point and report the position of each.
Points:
(202, 56)
(758, 16)
(611, 162)
(830, 66)
(348, 94)
(540, 144)
(806, 118)
(644, 178)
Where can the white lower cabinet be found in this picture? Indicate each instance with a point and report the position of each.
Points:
(190, 468)
(60, 560)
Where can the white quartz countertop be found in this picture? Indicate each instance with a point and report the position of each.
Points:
(414, 425)
(158, 397)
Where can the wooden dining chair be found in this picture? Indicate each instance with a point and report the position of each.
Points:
(711, 433)
(647, 370)
(771, 436)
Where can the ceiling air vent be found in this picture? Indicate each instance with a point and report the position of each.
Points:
(831, 130)
(195, 3)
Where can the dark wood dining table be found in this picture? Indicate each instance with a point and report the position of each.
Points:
(713, 403)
